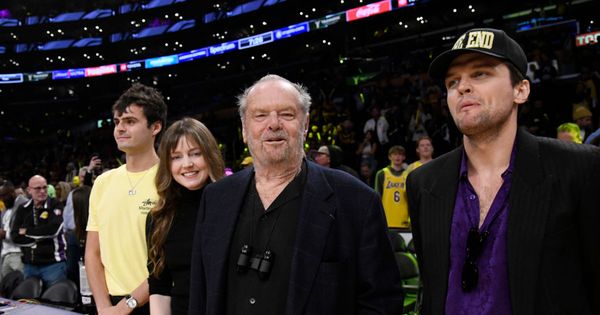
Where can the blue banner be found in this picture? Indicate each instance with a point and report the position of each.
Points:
(291, 30)
(68, 74)
(192, 55)
(255, 40)
(161, 61)
(11, 78)
(222, 48)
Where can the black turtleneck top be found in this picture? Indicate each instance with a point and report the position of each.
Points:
(174, 281)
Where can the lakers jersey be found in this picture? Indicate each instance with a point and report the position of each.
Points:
(394, 200)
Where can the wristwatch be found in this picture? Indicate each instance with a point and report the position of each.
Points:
(131, 302)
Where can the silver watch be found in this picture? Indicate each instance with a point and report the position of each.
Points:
(131, 302)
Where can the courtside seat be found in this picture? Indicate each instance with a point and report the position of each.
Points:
(398, 243)
(62, 293)
(30, 288)
(10, 282)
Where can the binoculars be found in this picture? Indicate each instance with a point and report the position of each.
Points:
(261, 263)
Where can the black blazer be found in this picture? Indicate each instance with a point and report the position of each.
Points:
(554, 216)
(341, 242)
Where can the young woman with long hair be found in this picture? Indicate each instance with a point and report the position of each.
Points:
(189, 160)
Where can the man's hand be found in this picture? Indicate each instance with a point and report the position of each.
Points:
(95, 163)
(120, 309)
(22, 231)
(2, 234)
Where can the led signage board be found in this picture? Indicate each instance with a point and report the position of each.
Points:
(255, 40)
(68, 74)
(161, 61)
(368, 10)
(193, 55)
(291, 30)
(587, 39)
(38, 76)
(222, 48)
(130, 66)
(327, 21)
(99, 71)
(11, 78)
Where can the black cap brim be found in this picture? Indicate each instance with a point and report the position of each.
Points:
(439, 65)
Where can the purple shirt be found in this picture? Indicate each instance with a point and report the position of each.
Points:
(492, 294)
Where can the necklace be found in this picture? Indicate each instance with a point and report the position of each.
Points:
(132, 190)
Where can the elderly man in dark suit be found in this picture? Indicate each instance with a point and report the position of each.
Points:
(287, 236)
(506, 223)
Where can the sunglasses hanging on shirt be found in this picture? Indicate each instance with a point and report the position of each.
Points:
(470, 274)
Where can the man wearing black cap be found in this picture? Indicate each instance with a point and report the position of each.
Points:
(500, 225)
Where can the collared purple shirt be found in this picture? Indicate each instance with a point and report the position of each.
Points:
(492, 293)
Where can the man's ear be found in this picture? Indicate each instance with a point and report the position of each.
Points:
(244, 133)
(521, 92)
(306, 125)
(156, 127)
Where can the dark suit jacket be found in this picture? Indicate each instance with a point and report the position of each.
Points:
(554, 217)
(342, 262)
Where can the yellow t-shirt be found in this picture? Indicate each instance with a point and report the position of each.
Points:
(120, 220)
(411, 167)
(393, 199)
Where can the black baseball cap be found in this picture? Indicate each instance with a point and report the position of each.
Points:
(488, 41)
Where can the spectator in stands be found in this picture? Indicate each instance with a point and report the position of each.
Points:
(76, 239)
(68, 213)
(93, 170)
(389, 183)
(287, 236)
(189, 160)
(86, 177)
(366, 175)
(322, 156)
(116, 252)
(418, 122)
(11, 253)
(336, 160)
(535, 118)
(594, 138)
(582, 116)
(500, 225)
(346, 139)
(81, 208)
(379, 125)
(70, 226)
(20, 192)
(367, 149)
(247, 162)
(38, 229)
(51, 191)
(397, 129)
(62, 192)
(424, 152)
(568, 132)
(331, 156)
(71, 171)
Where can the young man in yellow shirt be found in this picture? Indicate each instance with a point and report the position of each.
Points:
(389, 183)
(116, 250)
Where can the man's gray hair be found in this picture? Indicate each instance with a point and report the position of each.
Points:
(304, 99)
